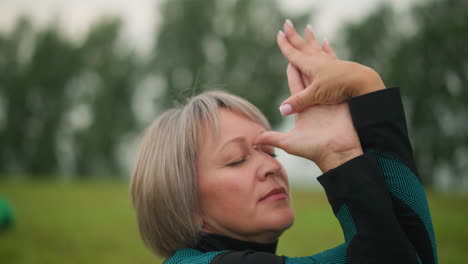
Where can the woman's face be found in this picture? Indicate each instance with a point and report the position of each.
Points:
(243, 191)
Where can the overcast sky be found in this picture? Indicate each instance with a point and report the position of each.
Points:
(140, 16)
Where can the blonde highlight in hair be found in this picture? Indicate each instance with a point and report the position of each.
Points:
(164, 180)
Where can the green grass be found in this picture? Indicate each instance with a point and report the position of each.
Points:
(93, 222)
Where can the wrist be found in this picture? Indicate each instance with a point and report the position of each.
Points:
(333, 160)
(366, 80)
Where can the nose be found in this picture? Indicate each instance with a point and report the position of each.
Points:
(269, 166)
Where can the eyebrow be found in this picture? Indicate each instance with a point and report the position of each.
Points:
(236, 139)
(240, 139)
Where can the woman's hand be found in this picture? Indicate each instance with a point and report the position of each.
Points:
(327, 80)
(323, 133)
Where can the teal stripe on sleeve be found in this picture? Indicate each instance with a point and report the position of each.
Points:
(347, 223)
(404, 185)
(191, 256)
(335, 255)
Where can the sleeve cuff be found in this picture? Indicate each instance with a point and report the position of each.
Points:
(357, 179)
(379, 120)
(377, 107)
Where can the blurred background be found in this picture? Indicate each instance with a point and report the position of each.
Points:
(81, 80)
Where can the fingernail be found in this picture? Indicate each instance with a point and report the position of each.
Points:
(290, 23)
(281, 33)
(309, 28)
(285, 109)
(325, 41)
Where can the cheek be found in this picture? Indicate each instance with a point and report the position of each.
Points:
(284, 178)
(225, 191)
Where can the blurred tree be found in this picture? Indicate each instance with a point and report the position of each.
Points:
(426, 54)
(34, 71)
(10, 139)
(108, 78)
(229, 45)
(62, 99)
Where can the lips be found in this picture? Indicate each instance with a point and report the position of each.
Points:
(275, 194)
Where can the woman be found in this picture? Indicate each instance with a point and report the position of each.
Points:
(207, 188)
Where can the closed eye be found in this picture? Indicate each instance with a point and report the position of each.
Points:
(272, 154)
(235, 163)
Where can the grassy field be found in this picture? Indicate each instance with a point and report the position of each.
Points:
(93, 222)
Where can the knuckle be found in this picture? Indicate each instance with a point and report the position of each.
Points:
(281, 142)
(298, 101)
(307, 67)
(289, 53)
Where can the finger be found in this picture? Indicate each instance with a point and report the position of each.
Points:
(312, 45)
(293, 55)
(300, 101)
(327, 48)
(294, 79)
(309, 34)
(305, 80)
(297, 41)
(272, 138)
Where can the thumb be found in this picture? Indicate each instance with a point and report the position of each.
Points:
(272, 138)
(298, 102)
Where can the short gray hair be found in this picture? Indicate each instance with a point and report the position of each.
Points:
(164, 180)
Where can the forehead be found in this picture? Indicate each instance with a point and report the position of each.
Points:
(230, 125)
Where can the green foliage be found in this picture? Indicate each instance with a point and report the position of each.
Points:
(55, 93)
(228, 45)
(68, 105)
(424, 53)
(93, 222)
(33, 76)
(112, 70)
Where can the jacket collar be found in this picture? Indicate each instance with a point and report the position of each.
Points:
(212, 242)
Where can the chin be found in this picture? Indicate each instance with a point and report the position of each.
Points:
(281, 221)
(288, 220)
(280, 225)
